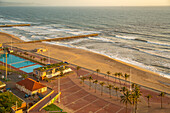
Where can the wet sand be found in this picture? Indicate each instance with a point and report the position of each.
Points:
(95, 61)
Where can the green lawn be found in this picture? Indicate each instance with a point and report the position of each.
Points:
(53, 107)
(4, 68)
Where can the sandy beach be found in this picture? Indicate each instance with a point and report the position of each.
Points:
(95, 61)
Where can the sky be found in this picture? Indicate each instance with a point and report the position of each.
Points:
(88, 2)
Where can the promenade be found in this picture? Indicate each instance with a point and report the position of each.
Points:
(75, 98)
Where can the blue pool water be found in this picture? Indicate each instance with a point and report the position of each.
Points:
(22, 64)
(18, 62)
(30, 68)
(12, 59)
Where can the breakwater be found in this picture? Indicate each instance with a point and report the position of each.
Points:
(14, 25)
(63, 38)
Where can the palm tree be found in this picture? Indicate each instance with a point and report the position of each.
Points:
(148, 97)
(102, 84)
(133, 98)
(110, 88)
(98, 71)
(30, 56)
(41, 59)
(126, 98)
(133, 85)
(44, 59)
(108, 73)
(126, 76)
(20, 53)
(137, 94)
(116, 74)
(90, 79)
(162, 94)
(95, 82)
(83, 78)
(123, 89)
(33, 57)
(116, 89)
(78, 68)
(119, 75)
(25, 53)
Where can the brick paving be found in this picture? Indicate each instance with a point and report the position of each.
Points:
(74, 97)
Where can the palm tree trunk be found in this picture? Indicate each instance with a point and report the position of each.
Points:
(95, 88)
(136, 106)
(126, 107)
(161, 102)
(125, 82)
(108, 78)
(119, 81)
(97, 75)
(110, 93)
(90, 85)
(77, 73)
(101, 90)
(117, 95)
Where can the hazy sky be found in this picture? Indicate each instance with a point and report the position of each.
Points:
(94, 2)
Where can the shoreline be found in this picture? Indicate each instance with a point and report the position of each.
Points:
(91, 60)
(121, 61)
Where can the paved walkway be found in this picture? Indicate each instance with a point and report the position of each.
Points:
(79, 100)
(42, 103)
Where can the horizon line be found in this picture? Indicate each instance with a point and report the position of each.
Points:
(83, 6)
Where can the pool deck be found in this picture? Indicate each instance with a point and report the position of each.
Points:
(27, 66)
(19, 69)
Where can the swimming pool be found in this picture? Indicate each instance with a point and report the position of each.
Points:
(18, 62)
(22, 64)
(30, 68)
(12, 59)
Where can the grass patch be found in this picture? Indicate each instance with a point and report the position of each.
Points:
(53, 107)
(4, 68)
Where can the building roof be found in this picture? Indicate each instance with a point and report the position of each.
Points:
(30, 84)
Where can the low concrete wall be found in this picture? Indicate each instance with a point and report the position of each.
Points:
(18, 111)
(2, 86)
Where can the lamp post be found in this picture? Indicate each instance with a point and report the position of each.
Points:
(48, 56)
(58, 89)
(6, 63)
(3, 60)
(130, 81)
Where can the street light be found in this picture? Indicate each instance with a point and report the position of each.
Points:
(59, 89)
(6, 64)
(130, 80)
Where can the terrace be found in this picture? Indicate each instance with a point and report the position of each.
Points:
(52, 70)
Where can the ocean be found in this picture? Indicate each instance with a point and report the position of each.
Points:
(135, 35)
